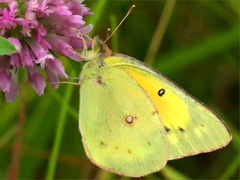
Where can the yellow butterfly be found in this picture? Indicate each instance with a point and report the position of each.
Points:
(133, 119)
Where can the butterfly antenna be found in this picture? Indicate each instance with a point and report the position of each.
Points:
(128, 13)
(84, 42)
(108, 32)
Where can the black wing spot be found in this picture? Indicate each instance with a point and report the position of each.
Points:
(102, 143)
(181, 129)
(161, 92)
(149, 144)
(116, 147)
(154, 112)
(129, 151)
(167, 129)
(201, 125)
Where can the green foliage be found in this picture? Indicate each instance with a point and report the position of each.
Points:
(199, 51)
(6, 47)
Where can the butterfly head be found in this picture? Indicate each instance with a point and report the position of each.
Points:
(97, 51)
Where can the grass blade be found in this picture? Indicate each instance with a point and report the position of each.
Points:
(160, 31)
(232, 168)
(72, 112)
(59, 133)
(181, 58)
(97, 10)
(171, 173)
(4, 139)
(115, 37)
(104, 175)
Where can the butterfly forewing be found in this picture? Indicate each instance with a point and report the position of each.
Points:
(190, 127)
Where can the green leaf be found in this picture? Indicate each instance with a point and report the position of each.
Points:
(6, 47)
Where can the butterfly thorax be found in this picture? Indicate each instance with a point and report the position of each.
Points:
(98, 50)
(95, 57)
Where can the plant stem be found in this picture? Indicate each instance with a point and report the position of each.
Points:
(114, 41)
(160, 31)
(59, 133)
(98, 9)
(17, 145)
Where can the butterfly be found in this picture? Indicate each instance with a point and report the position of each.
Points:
(133, 119)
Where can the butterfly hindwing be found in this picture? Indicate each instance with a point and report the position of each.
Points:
(190, 127)
(119, 124)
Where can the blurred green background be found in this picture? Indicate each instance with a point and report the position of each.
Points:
(194, 43)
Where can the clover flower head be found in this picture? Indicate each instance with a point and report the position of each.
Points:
(37, 28)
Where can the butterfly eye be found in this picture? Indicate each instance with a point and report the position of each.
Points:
(161, 92)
